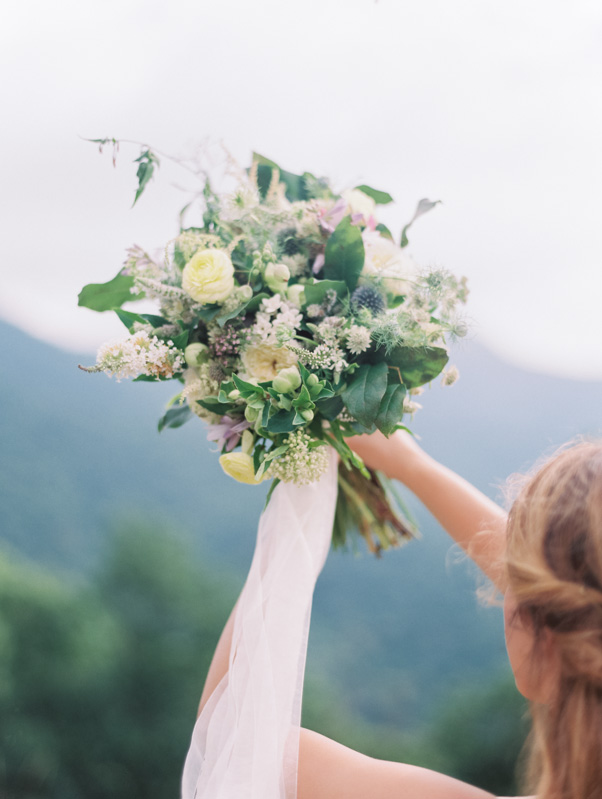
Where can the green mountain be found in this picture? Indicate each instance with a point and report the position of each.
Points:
(394, 634)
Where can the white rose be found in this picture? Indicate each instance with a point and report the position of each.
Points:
(264, 361)
(209, 276)
(359, 203)
(386, 260)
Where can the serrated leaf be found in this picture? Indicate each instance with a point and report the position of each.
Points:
(390, 412)
(175, 417)
(422, 208)
(379, 197)
(345, 254)
(364, 393)
(108, 296)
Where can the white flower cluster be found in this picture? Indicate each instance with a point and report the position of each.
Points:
(275, 316)
(300, 464)
(139, 354)
(325, 356)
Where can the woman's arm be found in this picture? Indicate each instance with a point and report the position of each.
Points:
(220, 663)
(474, 521)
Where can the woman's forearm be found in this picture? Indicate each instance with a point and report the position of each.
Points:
(220, 663)
(473, 520)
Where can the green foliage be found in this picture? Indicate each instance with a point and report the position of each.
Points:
(315, 292)
(391, 408)
(146, 166)
(422, 208)
(175, 417)
(364, 393)
(108, 296)
(345, 254)
(417, 365)
(379, 197)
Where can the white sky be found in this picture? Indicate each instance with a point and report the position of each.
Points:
(495, 108)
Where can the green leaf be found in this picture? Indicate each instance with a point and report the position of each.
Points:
(146, 166)
(422, 208)
(364, 393)
(417, 365)
(108, 296)
(379, 197)
(175, 417)
(294, 184)
(128, 318)
(281, 422)
(215, 406)
(316, 292)
(209, 312)
(275, 482)
(330, 408)
(384, 231)
(181, 340)
(390, 412)
(251, 305)
(344, 255)
(247, 389)
(255, 301)
(155, 321)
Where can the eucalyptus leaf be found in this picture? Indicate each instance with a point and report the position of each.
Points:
(108, 296)
(364, 393)
(379, 197)
(344, 256)
(422, 208)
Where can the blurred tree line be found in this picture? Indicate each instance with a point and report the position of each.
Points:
(100, 681)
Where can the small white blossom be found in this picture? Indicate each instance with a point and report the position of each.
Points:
(450, 376)
(358, 339)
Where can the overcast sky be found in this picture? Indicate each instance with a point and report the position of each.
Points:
(494, 108)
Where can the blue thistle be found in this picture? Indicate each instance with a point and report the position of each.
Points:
(370, 298)
(288, 241)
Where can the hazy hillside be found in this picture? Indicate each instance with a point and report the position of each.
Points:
(79, 450)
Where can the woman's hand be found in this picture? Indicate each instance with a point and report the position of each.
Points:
(397, 456)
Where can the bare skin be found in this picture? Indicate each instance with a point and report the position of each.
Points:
(328, 770)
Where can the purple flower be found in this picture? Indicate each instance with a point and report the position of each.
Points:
(331, 219)
(227, 433)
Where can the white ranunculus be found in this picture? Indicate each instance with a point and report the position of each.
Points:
(209, 276)
(386, 260)
(359, 203)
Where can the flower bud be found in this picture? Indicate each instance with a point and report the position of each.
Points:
(296, 294)
(239, 465)
(245, 293)
(251, 414)
(277, 276)
(307, 415)
(312, 380)
(286, 380)
(247, 442)
(234, 394)
(196, 354)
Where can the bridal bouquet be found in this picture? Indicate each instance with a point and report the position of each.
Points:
(291, 320)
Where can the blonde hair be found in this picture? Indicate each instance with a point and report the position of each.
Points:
(554, 569)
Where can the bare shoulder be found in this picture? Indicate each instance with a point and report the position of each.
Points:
(328, 770)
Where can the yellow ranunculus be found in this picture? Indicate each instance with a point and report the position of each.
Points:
(209, 276)
(239, 465)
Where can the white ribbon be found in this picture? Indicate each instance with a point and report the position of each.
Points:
(245, 744)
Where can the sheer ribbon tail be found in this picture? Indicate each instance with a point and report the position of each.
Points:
(245, 743)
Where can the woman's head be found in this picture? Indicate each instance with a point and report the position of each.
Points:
(553, 615)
